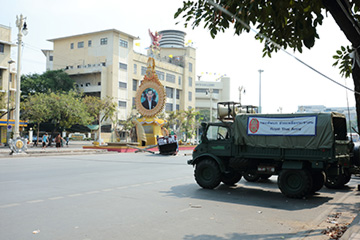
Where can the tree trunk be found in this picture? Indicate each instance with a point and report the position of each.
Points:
(351, 32)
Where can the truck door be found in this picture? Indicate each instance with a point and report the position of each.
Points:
(219, 140)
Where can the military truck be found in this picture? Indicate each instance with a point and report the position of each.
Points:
(305, 150)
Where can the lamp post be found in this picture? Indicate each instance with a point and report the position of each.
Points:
(8, 106)
(210, 92)
(260, 71)
(21, 25)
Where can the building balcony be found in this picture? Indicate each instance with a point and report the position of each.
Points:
(83, 69)
(89, 89)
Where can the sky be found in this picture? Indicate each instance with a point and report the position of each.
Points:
(285, 83)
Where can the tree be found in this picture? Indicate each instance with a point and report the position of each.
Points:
(54, 81)
(67, 109)
(100, 109)
(188, 125)
(288, 23)
(36, 109)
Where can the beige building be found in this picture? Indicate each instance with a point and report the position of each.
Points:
(209, 93)
(104, 63)
(7, 81)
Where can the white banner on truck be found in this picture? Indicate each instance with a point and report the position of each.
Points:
(277, 126)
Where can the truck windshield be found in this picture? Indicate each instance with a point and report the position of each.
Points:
(217, 133)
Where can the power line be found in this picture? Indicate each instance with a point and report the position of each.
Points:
(276, 45)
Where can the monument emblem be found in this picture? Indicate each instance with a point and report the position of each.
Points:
(150, 97)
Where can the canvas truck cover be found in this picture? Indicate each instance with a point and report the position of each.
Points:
(309, 131)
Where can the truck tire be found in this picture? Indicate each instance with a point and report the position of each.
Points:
(251, 175)
(318, 179)
(207, 174)
(335, 182)
(231, 177)
(295, 183)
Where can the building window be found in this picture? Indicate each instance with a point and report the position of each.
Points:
(134, 85)
(123, 66)
(170, 92)
(216, 90)
(51, 58)
(123, 43)
(99, 83)
(87, 84)
(103, 64)
(178, 94)
(133, 103)
(179, 80)
(170, 78)
(190, 67)
(177, 107)
(71, 45)
(190, 96)
(122, 103)
(168, 107)
(135, 69)
(103, 41)
(190, 81)
(161, 75)
(80, 44)
(122, 85)
(89, 43)
(2, 47)
(143, 70)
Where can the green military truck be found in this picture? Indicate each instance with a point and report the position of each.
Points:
(305, 150)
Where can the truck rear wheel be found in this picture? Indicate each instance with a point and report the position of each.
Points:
(335, 182)
(295, 183)
(207, 174)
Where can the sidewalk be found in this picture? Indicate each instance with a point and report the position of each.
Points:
(74, 147)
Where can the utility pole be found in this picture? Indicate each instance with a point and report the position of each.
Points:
(260, 71)
(241, 90)
(210, 92)
(8, 105)
(21, 25)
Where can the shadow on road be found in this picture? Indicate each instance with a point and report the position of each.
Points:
(252, 194)
(244, 236)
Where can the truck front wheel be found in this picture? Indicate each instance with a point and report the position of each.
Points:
(207, 174)
(251, 175)
(295, 183)
(231, 177)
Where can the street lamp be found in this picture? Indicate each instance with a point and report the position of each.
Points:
(260, 71)
(8, 106)
(22, 27)
(210, 92)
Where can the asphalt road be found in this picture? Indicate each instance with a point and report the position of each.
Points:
(145, 196)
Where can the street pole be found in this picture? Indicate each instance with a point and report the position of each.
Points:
(8, 105)
(260, 71)
(210, 92)
(21, 25)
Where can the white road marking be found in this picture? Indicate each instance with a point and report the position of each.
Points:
(35, 201)
(75, 195)
(56, 198)
(10, 205)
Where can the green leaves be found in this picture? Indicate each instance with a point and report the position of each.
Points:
(54, 81)
(287, 23)
(344, 61)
